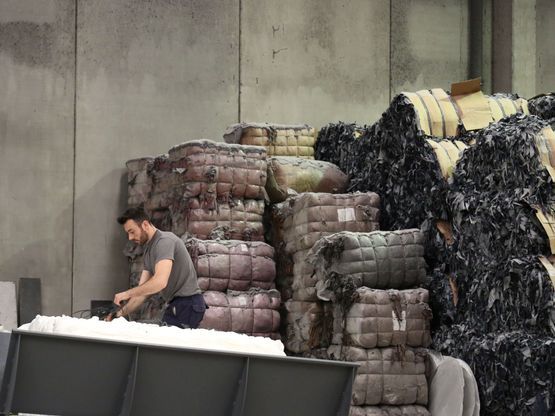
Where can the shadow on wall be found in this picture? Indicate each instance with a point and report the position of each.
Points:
(99, 237)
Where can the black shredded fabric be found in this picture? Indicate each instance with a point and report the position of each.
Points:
(543, 106)
(514, 370)
(505, 158)
(508, 296)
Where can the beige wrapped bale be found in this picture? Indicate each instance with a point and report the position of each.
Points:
(279, 140)
(389, 411)
(383, 318)
(255, 312)
(379, 260)
(231, 264)
(311, 216)
(287, 175)
(236, 220)
(387, 376)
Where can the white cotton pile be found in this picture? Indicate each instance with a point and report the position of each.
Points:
(122, 330)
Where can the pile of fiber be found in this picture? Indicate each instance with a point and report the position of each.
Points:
(254, 312)
(278, 139)
(389, 411)
(289, 176)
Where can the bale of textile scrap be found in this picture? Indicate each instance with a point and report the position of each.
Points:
(387, 376)
(212, 171)
(411, 410)
(236, 220)
(310, 216)
(305, 325)
(370, 318)
(232, 264)
(379, 260)
(278, 139)
(254, 312)
(514, 370)
(139, 183)
(291, 175)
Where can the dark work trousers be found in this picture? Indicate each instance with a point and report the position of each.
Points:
(185, 312)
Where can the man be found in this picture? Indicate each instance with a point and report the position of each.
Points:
(167, 269)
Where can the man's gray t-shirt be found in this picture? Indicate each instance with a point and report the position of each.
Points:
(183, 277)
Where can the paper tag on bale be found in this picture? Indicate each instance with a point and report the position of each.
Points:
(399, 324)
(346, 214)
(473, 106)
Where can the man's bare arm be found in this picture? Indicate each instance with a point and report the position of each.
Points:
(135, 302)
(153, 285)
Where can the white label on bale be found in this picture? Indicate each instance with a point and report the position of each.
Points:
(346, 214)
(399, 324)
(244, 248)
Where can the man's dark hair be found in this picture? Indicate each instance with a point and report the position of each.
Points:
(136, 214)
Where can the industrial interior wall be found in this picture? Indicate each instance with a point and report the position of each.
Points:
(89, 84)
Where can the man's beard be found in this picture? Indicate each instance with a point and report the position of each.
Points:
(143, 238)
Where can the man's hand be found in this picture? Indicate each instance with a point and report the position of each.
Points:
(120, 297)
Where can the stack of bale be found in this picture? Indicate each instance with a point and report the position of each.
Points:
(278, 139)
(302, 220)
(213, 196)
(237, 278)
(408, 156)
(502, 201)
(371, 310)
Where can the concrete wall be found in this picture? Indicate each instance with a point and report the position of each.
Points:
(429, 44)
(37, 79)
(545, 50)
(98, 82)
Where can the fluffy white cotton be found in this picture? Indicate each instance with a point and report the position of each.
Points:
(122, 330)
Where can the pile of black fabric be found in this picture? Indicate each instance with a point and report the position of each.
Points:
(504, 319)
(543, 106)
(514, 370)
(507, 296)
(505, 157)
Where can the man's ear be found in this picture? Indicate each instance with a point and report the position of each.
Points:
(145, 225)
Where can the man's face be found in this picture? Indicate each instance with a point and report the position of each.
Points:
(135, 232)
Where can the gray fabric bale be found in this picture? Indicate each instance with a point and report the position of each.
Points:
(255, 312)
(380, 260)
(383, 318)
(311, 216)
(232, 264)
(391, 376)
